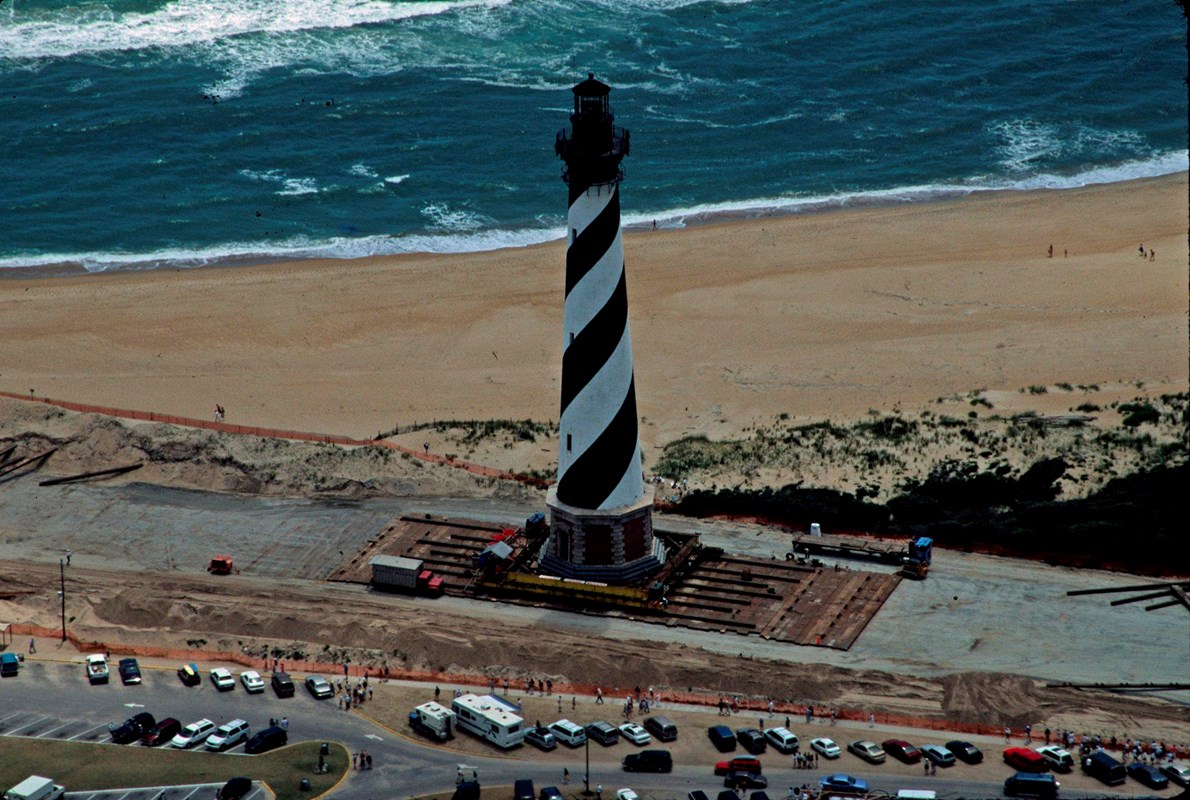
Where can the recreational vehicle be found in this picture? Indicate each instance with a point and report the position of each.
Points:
(490, 718)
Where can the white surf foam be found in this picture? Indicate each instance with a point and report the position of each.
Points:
(34, 32)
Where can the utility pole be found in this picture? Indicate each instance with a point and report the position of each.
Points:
(62, 594)
(587, 771)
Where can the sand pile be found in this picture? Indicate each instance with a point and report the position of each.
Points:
(210, 460)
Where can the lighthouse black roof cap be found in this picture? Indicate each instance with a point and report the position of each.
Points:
(591, 87)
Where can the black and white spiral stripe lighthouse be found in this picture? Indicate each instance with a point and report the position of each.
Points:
(601, 509)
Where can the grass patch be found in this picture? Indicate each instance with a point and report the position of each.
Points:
(81, 766)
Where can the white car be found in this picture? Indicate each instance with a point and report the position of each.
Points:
(252, 681)
(627, 794)
(193, 734)
(1177, 773)
(826, 747)
(223, 679)
(1059, 760)
(229, 734)
(635, 733)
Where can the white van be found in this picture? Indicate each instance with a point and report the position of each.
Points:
(569, 733)
(782, 739)
(917, 794)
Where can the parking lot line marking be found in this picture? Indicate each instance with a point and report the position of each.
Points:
(10, 716)
(51, 730)
(191, 793)
(26, 725)
(88, 730)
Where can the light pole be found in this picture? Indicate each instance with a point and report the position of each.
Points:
(62, 594)
(587, 771)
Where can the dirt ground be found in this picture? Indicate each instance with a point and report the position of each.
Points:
(307, 621)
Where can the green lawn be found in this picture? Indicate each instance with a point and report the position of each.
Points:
(80, 766)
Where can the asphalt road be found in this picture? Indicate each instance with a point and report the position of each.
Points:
(53, 700)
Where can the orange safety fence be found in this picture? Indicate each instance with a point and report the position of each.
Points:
(613, 695)
(276, 433)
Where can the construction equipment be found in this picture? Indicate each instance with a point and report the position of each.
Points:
(916, 564)
(221, 565)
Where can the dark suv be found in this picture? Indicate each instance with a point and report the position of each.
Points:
(161, 733)
(751, 740)
(523, 790)
(648, 761)
(129, 671)
(133, 728)
(282, 684)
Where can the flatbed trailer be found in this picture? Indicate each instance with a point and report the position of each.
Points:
(826, 544)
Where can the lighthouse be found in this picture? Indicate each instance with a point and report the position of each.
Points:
(601, 525)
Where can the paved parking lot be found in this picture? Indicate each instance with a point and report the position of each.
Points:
(196, 791)
(49, 726)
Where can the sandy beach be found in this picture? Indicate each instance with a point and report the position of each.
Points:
(816, 316)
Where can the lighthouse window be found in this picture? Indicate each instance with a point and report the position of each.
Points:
(568, 443)
(572, 337)
(573, 234)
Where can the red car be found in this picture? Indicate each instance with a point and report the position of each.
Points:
(902, 750)
(1025, 760)
(749, 764)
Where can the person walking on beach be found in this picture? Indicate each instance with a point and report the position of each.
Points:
(1051, 255)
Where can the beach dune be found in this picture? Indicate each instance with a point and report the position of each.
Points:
(822, 315)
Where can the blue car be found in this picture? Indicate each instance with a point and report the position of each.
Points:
(1148, 775)
(844, 784)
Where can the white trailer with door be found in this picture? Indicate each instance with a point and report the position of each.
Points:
(489, 718)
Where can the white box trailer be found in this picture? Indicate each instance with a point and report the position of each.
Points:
(35, 787)
(489, 718)
(398, 571)
(434, 720)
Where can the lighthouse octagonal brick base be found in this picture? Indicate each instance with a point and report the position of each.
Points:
(613, 545)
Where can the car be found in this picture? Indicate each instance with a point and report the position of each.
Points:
(901, 750)
(697, 794)
(319, 687)
(193, 734)
(1177, 773)
(188, 675)
(550, 793)
(541, 738)
(161, 733)
(603, 732)
(722, 737)
(129, 671)
(843, 784)
(268, 739)
(825, 747)
(938, 754)
(759, 795)
(1102, 766)
(132, 728)
(522, 789)
(627, 794)
(662, 727)
(223, 680)
(228, 735)
(253, 683)
(965, 751)
(751, 740)
(868, 751)
(282, 684)
(648, 761)
(1032, 784)
(727, 794)
(1023, 759)
(782, 739)
(635, 734)
(1060, 760)
(235, 789)
(739, 764)
(1147, 774)
(745, 780)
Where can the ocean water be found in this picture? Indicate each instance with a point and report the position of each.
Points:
(140, 132)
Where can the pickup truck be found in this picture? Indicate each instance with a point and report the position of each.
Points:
(97, 668)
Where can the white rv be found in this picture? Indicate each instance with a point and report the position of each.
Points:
(433, 720)
(489, 718)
